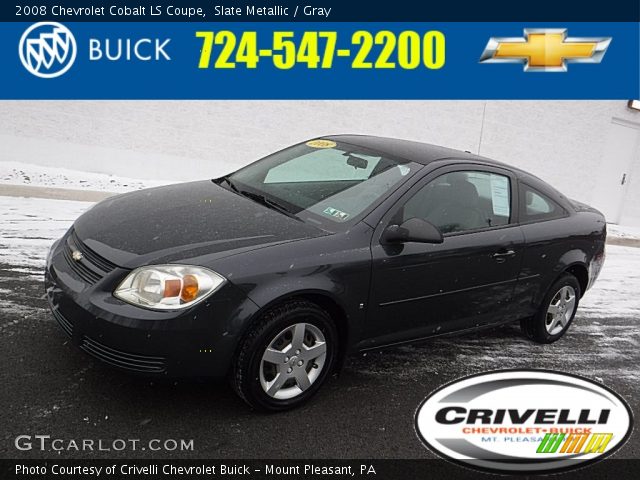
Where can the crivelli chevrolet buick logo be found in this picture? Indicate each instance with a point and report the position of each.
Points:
(47, 49)
(524, 421)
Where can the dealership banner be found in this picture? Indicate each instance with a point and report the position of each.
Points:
(103, 50)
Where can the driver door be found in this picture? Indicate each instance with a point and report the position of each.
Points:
(418, 289)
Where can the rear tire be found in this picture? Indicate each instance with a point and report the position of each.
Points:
(285, 356)
(556, 312)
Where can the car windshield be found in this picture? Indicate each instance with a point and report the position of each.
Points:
(322, 182)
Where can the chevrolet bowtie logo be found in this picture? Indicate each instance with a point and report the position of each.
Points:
(545, 50)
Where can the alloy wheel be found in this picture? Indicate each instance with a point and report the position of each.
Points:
(560, 310)
(292, 361)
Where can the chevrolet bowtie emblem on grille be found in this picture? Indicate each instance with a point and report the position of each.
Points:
(545, 50)
(77, 255)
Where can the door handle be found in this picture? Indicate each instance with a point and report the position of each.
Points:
(502, 255)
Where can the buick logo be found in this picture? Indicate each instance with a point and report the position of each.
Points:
(77, 255)
(47, 49)
(524, 421)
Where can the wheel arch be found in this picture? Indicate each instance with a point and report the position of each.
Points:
(575, 262)
(324, 300)
(581, 272)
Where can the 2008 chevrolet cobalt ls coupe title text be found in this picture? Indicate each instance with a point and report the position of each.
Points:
(272, 274)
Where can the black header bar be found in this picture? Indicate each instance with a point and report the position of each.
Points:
(318, 10)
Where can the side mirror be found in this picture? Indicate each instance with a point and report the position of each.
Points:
(413, 230)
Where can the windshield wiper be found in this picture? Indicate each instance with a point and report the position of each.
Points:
(262, 199)
(231, 184)
(268, 202)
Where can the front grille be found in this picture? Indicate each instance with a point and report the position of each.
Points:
(127, 361)
(91, 267)
(65, 324)
(92, 257)
(81, 269)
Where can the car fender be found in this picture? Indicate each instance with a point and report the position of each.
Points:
(333, 269)
(346, 324)
(569, 259)
(318, 290)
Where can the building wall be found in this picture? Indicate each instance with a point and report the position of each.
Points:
(560, 141)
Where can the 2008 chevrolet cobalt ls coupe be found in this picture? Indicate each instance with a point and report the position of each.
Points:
(272, 274)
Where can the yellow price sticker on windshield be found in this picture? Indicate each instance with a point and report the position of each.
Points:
(321, 144)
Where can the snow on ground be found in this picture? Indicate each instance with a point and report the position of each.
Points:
(28, 227)
(16, 173)
(615, 292)
(621, 231)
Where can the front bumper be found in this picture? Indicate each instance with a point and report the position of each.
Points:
(197, 342)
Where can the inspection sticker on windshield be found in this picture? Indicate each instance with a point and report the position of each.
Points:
(334, 212)
(321, 144)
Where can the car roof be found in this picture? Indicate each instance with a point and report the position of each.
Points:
(413, 151)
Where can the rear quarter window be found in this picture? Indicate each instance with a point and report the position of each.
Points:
(535, 206)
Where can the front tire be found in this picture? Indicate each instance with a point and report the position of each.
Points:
(285, 356)
(556, 312)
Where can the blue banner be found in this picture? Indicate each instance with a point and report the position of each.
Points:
(317, 60)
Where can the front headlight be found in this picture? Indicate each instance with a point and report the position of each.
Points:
(168, 287)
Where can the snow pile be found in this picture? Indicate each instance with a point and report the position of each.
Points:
(15, 173)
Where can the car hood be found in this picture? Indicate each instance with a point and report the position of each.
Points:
(200, 221)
